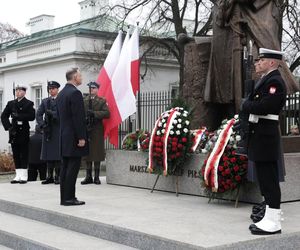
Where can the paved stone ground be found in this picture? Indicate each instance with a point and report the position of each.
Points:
(188, 219)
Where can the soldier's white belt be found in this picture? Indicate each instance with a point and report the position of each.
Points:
(254, 118)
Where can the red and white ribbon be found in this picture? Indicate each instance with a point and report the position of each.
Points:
(211, 167)
(197, 138)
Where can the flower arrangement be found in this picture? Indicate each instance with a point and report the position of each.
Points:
(223, 170)
(136, 140)
(170, 141)
(6, 162)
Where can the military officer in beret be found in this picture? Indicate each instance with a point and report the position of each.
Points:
(264, 106)
(48, 120)
(96, 110)
(21, 112)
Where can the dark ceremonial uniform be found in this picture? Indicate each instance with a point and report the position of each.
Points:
(47, 119)
(36, 165)
(264, 106)
(22, 112)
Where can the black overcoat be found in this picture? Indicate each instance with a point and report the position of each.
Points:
(50, 147)
(71, 113)
(268, 97)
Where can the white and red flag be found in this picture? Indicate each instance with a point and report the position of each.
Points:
(135, 61)
(115, 86)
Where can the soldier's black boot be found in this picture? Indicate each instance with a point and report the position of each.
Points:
(57, 170)
(88, 178)
(97, 173)
(49, 178)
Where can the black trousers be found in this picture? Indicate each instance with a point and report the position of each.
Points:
(35, 169)
(20, 154)
(267, 175)
(68, 176)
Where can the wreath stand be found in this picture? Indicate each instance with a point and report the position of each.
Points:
(212, 195)
(176, 185)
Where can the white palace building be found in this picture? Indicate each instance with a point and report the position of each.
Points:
(47, 53)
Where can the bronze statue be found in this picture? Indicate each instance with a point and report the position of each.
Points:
(235, 22)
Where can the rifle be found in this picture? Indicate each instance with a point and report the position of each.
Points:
(48, 118)
(12, 132)
(90, 118)
(243, 126)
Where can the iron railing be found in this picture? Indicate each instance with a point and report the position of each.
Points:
(152, 104)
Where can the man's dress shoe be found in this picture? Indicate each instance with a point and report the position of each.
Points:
(73, 202)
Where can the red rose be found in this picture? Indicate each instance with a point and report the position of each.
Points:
(173, 156)
(223, 173)
(174, 149)
(233, 160)
(238, 178)
(225, 158)
(205, 161)
(228, 182)
(226, 187)
(175, 139)
(174, 144)
(233, 152)
(243, 158)
(158, 150)
(221, 168)
(225, 164)
(180, 145)
(184, 139)
(178, 154)
(227, 171)
(236, 168)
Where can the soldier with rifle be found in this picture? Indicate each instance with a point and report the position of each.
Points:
(96, 110)
(21, 111)
(48, 120)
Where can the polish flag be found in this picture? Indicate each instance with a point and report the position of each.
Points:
(117, 89)
(135, 61)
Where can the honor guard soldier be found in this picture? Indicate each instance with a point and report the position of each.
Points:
(21, 112)
(96, 110)
(48, 121)
(264, 106)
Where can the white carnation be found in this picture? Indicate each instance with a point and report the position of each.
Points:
(184, 114)
(158, 132)
(159, 124)
(177, 132)
(187, 122)
(163, 131)
(236, 116)
(203, 151)
(238, 138)
(171, 126)
(163, 120)
(179, 126)
(219, 131)
(175, 121)
(231, 139)
(165, 125)
(171, 132)
(185, 130)
(179, 120)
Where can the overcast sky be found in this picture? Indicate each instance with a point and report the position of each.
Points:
(17, 13)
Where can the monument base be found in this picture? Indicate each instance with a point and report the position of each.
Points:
(128, 168)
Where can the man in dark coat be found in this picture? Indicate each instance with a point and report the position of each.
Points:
(264, 106)
(47, 119)
(73, 136)
(36, 166)
(96, 110)
(21, 112)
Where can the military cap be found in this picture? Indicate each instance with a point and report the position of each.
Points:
(93, 85)
(53, 84)
(270, 53)
(21, 87)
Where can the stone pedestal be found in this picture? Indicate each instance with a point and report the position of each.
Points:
(129, 168)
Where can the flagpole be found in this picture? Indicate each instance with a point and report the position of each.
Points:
(139, 98)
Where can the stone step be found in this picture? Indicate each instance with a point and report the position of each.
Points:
(110, 233)
(4, 247)
(18, 232)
